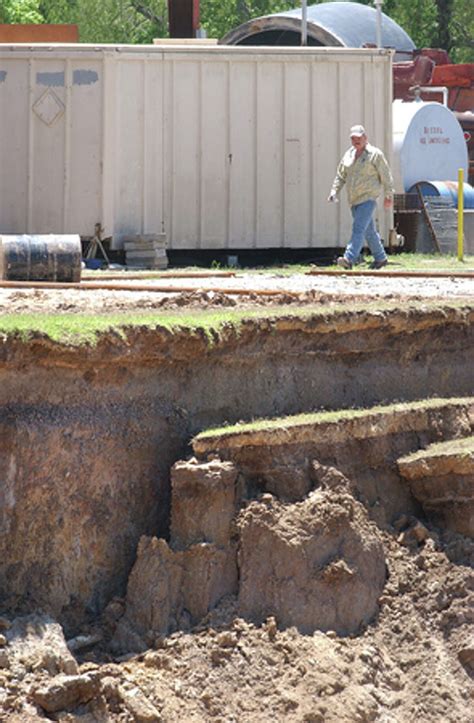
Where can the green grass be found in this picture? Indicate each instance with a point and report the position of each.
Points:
(78, 329)
(71, 328)
(464, 446)
(321, 417)
(430, 262)
(396, 262)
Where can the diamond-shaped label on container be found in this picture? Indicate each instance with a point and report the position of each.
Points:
(49, 107)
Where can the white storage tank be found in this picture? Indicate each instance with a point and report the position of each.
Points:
(428, 144)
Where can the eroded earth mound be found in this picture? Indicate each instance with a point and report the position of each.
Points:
(317, 564)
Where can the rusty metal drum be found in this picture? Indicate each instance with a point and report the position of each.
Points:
(447, 190)
(47, 257)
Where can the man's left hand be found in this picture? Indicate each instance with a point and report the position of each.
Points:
(387, 202)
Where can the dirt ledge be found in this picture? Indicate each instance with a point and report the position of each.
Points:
(341, 332)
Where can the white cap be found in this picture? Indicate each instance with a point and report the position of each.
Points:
(358, 131)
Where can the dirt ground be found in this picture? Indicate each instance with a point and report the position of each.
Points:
(215, 291)
(403, 667)
(413, 662)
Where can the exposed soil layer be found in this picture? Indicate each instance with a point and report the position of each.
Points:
(314, 561)
(441, 477)
(364, 446)
(89, 434)
(292, 576)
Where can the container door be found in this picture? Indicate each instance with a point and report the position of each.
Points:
(133, 156)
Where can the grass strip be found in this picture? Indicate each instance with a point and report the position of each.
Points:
(325, 417)
(451, 447)
(79, 329)
(396, 262)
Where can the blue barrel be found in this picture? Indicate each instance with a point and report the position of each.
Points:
(447, 190)
(40, 258)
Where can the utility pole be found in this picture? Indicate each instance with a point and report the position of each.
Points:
(304, 22)
(378, 28)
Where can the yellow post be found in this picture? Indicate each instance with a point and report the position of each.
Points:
(461, 214)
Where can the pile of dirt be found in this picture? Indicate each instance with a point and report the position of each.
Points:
(109, 301)
(413, 662)
(317, 564)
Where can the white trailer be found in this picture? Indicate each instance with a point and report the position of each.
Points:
(217, 147)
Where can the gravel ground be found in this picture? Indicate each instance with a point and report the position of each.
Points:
(217, 291)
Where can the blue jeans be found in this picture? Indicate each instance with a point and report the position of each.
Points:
(363, 227)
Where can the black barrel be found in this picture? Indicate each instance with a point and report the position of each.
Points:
(40, 258)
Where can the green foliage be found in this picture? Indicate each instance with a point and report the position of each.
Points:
(114, 21)
(20, 11)
(111, 21)
(218, 17)
(58, 11)
(419, 18)
(461, 25)
(447, 24)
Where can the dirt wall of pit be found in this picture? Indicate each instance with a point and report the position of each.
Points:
(88, 434)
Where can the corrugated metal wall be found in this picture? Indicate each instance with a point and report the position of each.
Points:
(217, 147)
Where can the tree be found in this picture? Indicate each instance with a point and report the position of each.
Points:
(419, 18)
(461, 25)
(220, 16)
(447, 24)
(445, 9)
(20, 11)
(111, 21)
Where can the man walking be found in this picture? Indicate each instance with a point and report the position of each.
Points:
(365, 171)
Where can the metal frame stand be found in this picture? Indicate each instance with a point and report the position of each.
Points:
(95, 244)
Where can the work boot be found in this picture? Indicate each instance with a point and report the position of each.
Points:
(378, 264)
(343, 263)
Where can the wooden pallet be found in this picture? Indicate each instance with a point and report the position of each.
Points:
(146, 251)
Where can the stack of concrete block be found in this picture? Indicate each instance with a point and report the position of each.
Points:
(146, 251)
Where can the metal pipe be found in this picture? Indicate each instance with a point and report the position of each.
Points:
(128, 276)
(378, 22)
(398, 274)
(91, 286)
(436, 89)
(304, 22)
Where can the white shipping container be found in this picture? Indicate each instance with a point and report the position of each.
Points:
(218, 147)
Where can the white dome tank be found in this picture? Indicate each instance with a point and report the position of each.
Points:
(428, 144)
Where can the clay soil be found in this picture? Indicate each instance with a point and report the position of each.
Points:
(404, 666)
(414, 661)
